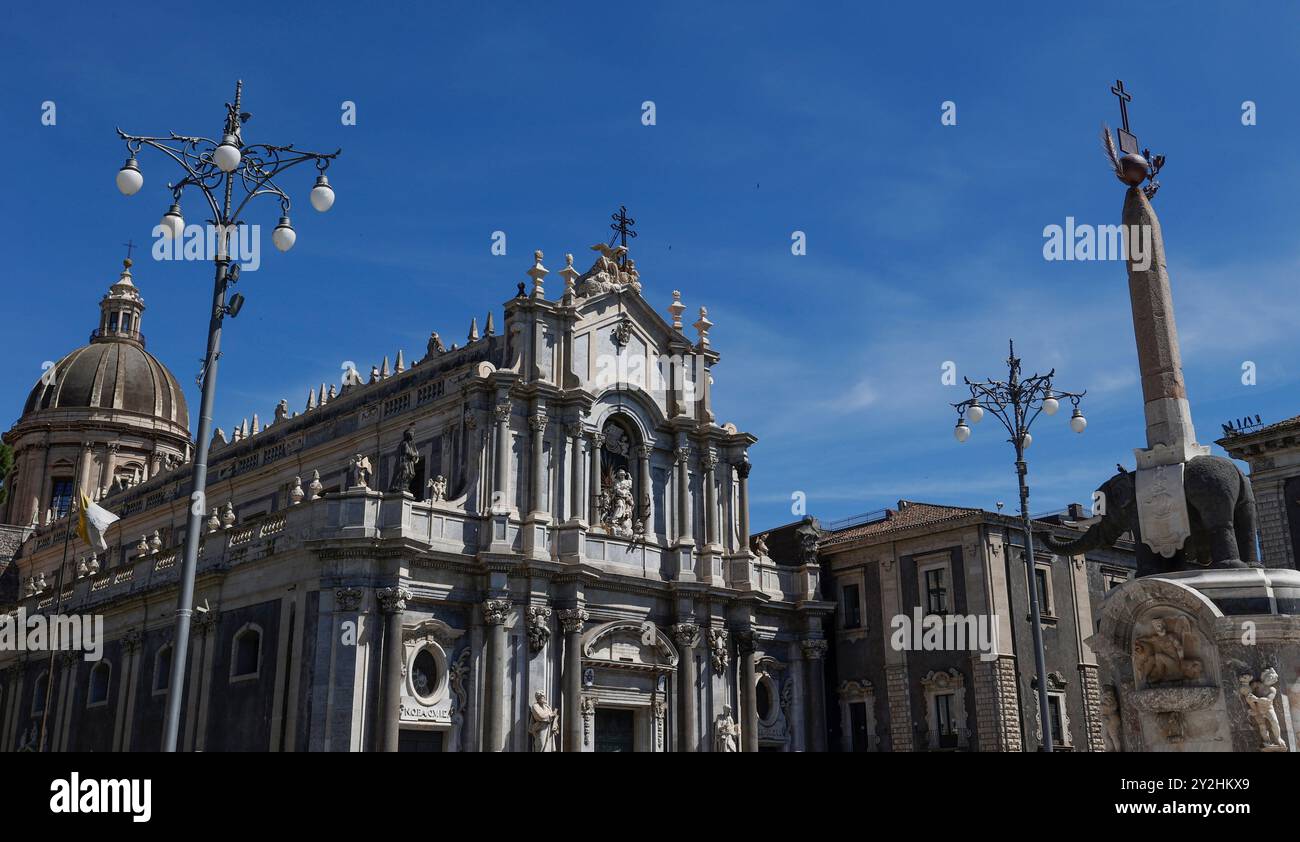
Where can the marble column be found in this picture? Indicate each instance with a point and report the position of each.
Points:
(597, 442)
(392, 603)
(707, 462)
(501, 483)
(537, 423)
(742, 473)
(748, 691)
(814, 653)
(685, 529)
(687, 635)
(495, 612)
(575, 471)
(571, 621)
(643, 479)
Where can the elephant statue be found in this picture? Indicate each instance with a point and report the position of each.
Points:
(1220, 507)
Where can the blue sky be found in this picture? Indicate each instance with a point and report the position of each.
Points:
(924, 241)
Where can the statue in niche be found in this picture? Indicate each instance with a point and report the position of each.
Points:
(1258, 694)
(1160, 657)
(617, 441)
(544, 723)
(359, 472)
(617, 505)
(726, 734)
(404, 467)
(438, 489)
(1110, 718)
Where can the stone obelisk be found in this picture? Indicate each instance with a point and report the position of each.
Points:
(1171, 439)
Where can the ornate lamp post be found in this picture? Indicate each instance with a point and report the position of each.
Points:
(1016, 402)
(215, 169)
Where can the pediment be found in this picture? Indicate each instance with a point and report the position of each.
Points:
(629, 643)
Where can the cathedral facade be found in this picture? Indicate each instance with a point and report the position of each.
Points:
(538, 541)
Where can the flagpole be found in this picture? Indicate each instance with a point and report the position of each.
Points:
(58, 598)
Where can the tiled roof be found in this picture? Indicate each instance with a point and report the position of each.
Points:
(907, 516)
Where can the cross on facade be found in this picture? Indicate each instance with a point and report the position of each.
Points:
(622, 226)
(130, 244)
(1128, 142)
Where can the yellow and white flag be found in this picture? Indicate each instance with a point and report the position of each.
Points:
(93, 523)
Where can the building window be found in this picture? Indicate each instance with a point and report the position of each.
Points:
(944, 708)
(1113, 579)
(246, 657)
(162, 670)
(1057, 712)
(936, 591)
(857, 716)
(60, 495)
(112, 322)
(1054, 711)
(852, 606)
(1043, 582)
(858, 727)
(100, 678)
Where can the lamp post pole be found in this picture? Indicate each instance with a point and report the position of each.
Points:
(1016, 402)
(214, 168)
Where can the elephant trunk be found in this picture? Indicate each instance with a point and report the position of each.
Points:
(1100, 534)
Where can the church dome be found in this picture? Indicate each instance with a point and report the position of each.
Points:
(111, 375)
(114, 372)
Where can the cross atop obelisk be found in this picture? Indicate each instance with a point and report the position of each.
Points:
(1134, 167)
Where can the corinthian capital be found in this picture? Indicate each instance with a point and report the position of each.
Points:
(495, 611)
(814, 648)
(392, 600)
(687, 634)
(502, 411)
(537, 423)
(572, 619)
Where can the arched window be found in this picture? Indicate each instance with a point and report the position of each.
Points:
(100, 678)
(162, 670)
(246, 653)
(38, 693)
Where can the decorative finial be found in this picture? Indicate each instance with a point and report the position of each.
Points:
(570, 276)
(384, 371)
(311, 399)
(676, 309)
(490, 328)
(703, 325)
(538, 273)
(473, 328)
(400, 365)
